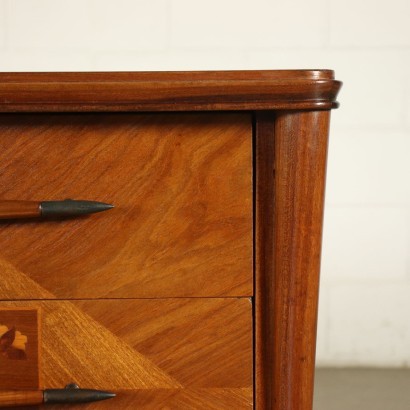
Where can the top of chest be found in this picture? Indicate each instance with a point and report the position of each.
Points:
(168, 91)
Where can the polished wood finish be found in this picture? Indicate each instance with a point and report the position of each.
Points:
(182, 227)
(168, 91)
(182, 190)
(19, 209)
(167, 399)
(19, 348)
(15, 398)
(116, 76)
(291, 152)
(181, 348)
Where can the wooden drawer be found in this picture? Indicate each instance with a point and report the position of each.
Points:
(182, 189)
(172, 353)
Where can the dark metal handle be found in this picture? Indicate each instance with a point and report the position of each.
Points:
(73, 394)
(70, 207)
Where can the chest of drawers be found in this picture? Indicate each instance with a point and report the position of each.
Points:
(199, 289)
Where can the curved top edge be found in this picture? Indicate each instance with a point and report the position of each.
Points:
(113, 76)
(168, 91)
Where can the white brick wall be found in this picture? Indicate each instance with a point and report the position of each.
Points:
(369, 23)
(246, 26)
(365, 290)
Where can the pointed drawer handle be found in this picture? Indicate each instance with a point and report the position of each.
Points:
(70, 394)
(54, 209)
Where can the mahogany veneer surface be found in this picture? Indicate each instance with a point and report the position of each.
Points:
(180, 353)
(182, 190)
(154, 299)
(168, 91)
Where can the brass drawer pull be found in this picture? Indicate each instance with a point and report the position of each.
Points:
(70, 394)
(46, 209)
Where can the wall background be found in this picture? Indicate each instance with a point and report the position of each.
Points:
(365, 292)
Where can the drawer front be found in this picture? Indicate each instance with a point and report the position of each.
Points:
(169, 353)
(182, 189)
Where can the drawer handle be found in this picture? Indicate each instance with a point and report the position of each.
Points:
(70, 394)
(47, 209)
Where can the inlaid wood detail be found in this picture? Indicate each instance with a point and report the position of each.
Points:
(182, 190)
(143, 346)
(19, 348)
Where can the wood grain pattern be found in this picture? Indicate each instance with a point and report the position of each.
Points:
(182, 226)
(17, 398)
(155, 351)
(217, 328)
(19, 209)
(117, 76)
(241, 90)
(19, 349)
(167, 399)
(182, 190)
(291, 161)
